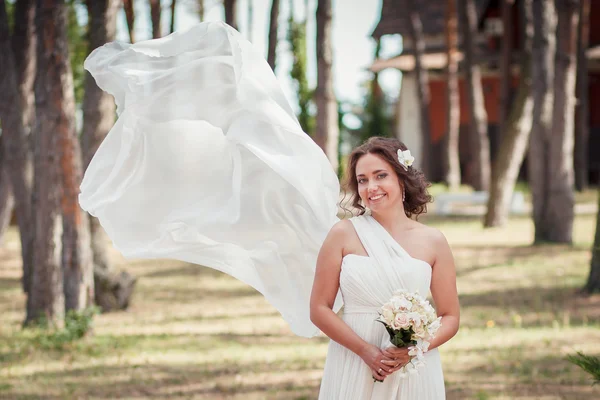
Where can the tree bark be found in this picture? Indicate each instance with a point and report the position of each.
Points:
(201, 10)
(560, 198)
(173, 6)
(273, 25)
(327, 129)
(99, 117)
(7, 202)
(16, 112)
(250, 20)
(505, 63)
(231, 12)
(155, 13)
(515, 137)
(53, 81)
(582, 127)
(478, 115)
(416, 35)
(593, 281)
(452, 100)
(540, 170)
(130, 17)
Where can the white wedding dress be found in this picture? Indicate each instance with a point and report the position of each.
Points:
(207, 164)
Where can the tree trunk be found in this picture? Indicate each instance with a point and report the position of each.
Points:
(452, 100)
(231, 12)
(7, 202)
(505, 64)
(155, 12)
(515, 137)
(560, 198)
(540, 170)
(593, 282)
(46, 297)
(16, 112)
(416, 36)
(173, 6)
(582, 127)
(130, 17)
(201, 10)
(250, 20)
(478, 116)
(273, 23)
(99, 117)
(327, 129)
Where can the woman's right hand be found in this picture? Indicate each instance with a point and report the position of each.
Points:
(380, 364)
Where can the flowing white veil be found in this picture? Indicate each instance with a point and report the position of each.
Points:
(207, 164)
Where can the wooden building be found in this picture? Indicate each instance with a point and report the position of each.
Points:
(490, 34)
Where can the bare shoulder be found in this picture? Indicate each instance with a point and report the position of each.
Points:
(432, 236)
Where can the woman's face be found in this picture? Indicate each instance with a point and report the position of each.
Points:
(378, 185)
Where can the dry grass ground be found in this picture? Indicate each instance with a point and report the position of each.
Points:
(194, 333)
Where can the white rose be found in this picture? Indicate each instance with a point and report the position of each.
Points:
(401, 321)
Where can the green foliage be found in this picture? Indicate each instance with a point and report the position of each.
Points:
(589, 364)
(77, 36)
(77, 325)
(297, 39)
(376, 121)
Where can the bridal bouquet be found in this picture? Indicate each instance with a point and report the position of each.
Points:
(411, 322)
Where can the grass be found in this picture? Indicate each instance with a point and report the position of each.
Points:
(194, 333)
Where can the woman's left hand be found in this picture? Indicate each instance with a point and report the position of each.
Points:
(399, 355)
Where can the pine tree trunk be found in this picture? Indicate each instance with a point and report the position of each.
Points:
(515, 137)
(46, 297)
(17, 113)
(231, 12)
(452, 101)
(478, 122)
(327, 129)
(130, 17)
(416, 36)
(540, 170)
(7, 202)
(155, 13)
(593, 282)
(173, 7)
(560, 198)
(112, 289)
(250, 20)
(582, 127)
(273, 23)
(505, 64)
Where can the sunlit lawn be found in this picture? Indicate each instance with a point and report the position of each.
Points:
(194, 333)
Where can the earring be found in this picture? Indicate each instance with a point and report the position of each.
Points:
(403, 196)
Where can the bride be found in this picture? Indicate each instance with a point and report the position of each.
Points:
(207, 164)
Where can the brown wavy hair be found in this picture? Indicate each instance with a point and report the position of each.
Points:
(412, 180)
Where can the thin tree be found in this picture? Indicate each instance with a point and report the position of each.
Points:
(544, 51)
(250, 19)
(505, 63)
(582, 130)
(559, 199)
(130, 17)
(18, 66)
(452, 167)
(478, 116)
(53, 91)
(375, 120)
(273, 25)
(231, 12)
(201, 10)
(515, 136)
(7, 200)
(155, 13)
(593, 282)
(173, 6)
(327, 129)
(99, 117)
(416, 36)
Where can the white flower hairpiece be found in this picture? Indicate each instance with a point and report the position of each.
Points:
(405, 159)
